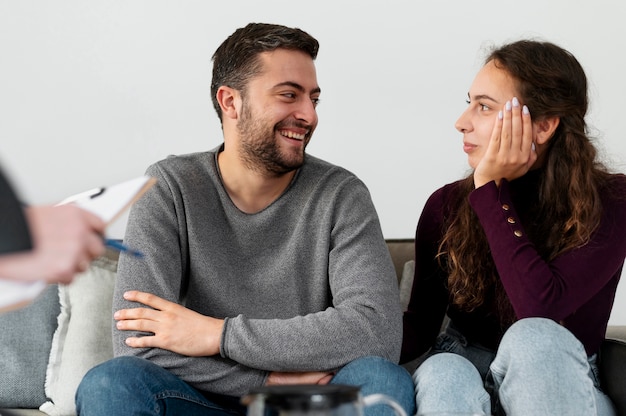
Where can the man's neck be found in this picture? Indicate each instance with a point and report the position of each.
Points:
(250, 190)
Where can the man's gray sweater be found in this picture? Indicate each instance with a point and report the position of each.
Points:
(306, 284)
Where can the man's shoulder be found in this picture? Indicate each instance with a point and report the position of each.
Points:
(318, 166)
(183, 163)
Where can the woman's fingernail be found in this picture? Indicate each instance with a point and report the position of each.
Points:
(507, 106)
(532, 146)
(525, 110)
(515, 102)
(500, 115)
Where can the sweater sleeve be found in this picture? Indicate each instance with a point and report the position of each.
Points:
(554, 289)
(14, 233)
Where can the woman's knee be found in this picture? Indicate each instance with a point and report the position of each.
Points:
(448, 382)
(446, 366)
(535, 346)
(538, 337)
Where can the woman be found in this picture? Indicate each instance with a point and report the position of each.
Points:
(524, 255)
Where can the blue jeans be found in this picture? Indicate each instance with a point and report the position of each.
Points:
(540, 368)
(134, 386)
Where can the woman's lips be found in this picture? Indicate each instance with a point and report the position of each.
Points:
(468, 147)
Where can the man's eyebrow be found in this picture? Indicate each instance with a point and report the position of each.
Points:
(297, 86)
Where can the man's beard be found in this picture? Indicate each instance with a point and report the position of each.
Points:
(259, 148)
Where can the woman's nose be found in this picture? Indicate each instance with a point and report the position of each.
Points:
(463, 124)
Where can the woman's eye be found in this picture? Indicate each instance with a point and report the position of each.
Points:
(484, 107)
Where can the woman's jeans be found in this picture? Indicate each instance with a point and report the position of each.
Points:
(540, 368)
(135, 386)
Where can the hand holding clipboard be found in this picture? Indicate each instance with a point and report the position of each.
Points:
(106, 203)
(110, 202)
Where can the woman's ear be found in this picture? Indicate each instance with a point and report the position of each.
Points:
(544, 129)
(227, 98)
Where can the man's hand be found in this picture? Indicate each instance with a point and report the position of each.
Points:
(312, 377)
(174, 327)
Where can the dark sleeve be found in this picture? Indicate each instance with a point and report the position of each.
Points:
(429, 296)
(558, 288)
(14, 234)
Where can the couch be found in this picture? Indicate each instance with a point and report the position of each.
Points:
(48, 346)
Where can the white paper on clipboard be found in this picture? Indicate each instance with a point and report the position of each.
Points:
(110, 202)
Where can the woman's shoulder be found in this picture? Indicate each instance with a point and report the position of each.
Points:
(445, 198)
(613, 197)
(617, 180)
(448, 191)
(614, 187)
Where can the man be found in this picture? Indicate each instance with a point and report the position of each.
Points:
(45, 243)
(263, 265)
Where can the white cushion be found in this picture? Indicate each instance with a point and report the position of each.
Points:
(83, 338)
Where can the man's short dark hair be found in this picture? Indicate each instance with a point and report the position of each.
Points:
(236, 60)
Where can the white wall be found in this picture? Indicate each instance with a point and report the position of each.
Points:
(91, 92)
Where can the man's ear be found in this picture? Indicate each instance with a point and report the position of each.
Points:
(228, 99)
(544, 129)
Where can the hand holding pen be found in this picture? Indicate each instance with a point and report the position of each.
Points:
(122, 248)
(94, 194)
(64, 242)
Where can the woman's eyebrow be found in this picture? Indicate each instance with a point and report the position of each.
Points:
(482, 97)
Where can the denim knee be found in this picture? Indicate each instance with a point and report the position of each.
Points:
(539, 360)
(371, 368)
(104, 379)
(446, 365)
(446, 370)
(376, 375)
(448, 382)
(538, 338)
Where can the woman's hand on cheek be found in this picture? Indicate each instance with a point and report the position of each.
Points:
(510, 152)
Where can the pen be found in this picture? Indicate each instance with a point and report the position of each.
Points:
(122, 248)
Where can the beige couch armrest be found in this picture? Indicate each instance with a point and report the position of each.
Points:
(401, 250)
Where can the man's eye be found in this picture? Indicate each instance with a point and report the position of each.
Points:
(315, 101)
(289, 95)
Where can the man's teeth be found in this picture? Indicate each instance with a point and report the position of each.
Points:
(293, 135)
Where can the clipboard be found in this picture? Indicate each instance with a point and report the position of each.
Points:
(110, 202)
(107, 203)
